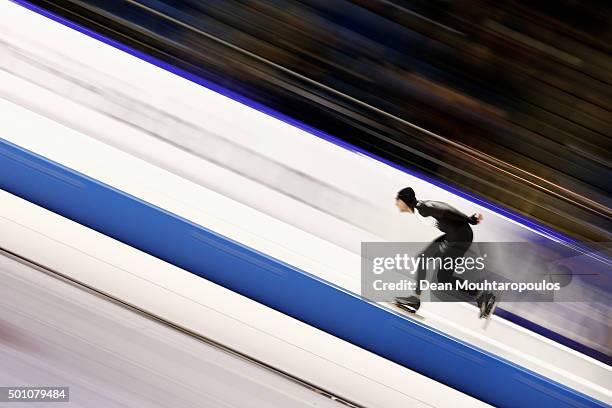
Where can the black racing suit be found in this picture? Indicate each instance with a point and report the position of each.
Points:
(454, 243)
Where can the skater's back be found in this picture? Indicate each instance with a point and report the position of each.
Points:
(449, 220)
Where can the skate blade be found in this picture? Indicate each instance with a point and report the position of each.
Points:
(411, 312)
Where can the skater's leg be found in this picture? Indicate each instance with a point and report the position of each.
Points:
(446, 274)
(412, 303)
(433, 250)
(456, 248)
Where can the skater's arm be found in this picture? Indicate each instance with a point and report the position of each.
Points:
(444, 211)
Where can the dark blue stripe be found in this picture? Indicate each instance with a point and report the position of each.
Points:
(277, 285)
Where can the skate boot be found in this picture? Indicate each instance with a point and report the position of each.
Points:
(490, 305)
(410, 304)
(481, 302)
(485, 302)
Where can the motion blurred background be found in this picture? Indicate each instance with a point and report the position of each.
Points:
(509, 101)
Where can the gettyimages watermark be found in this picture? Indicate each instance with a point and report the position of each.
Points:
(447, 272)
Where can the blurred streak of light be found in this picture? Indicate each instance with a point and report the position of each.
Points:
(470, 153)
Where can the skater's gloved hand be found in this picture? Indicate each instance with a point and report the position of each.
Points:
(476, 218)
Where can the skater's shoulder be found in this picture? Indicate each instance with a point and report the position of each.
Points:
(426, 204)
(427, 208)
(435, 209)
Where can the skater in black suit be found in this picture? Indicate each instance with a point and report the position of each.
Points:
(454, 243)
